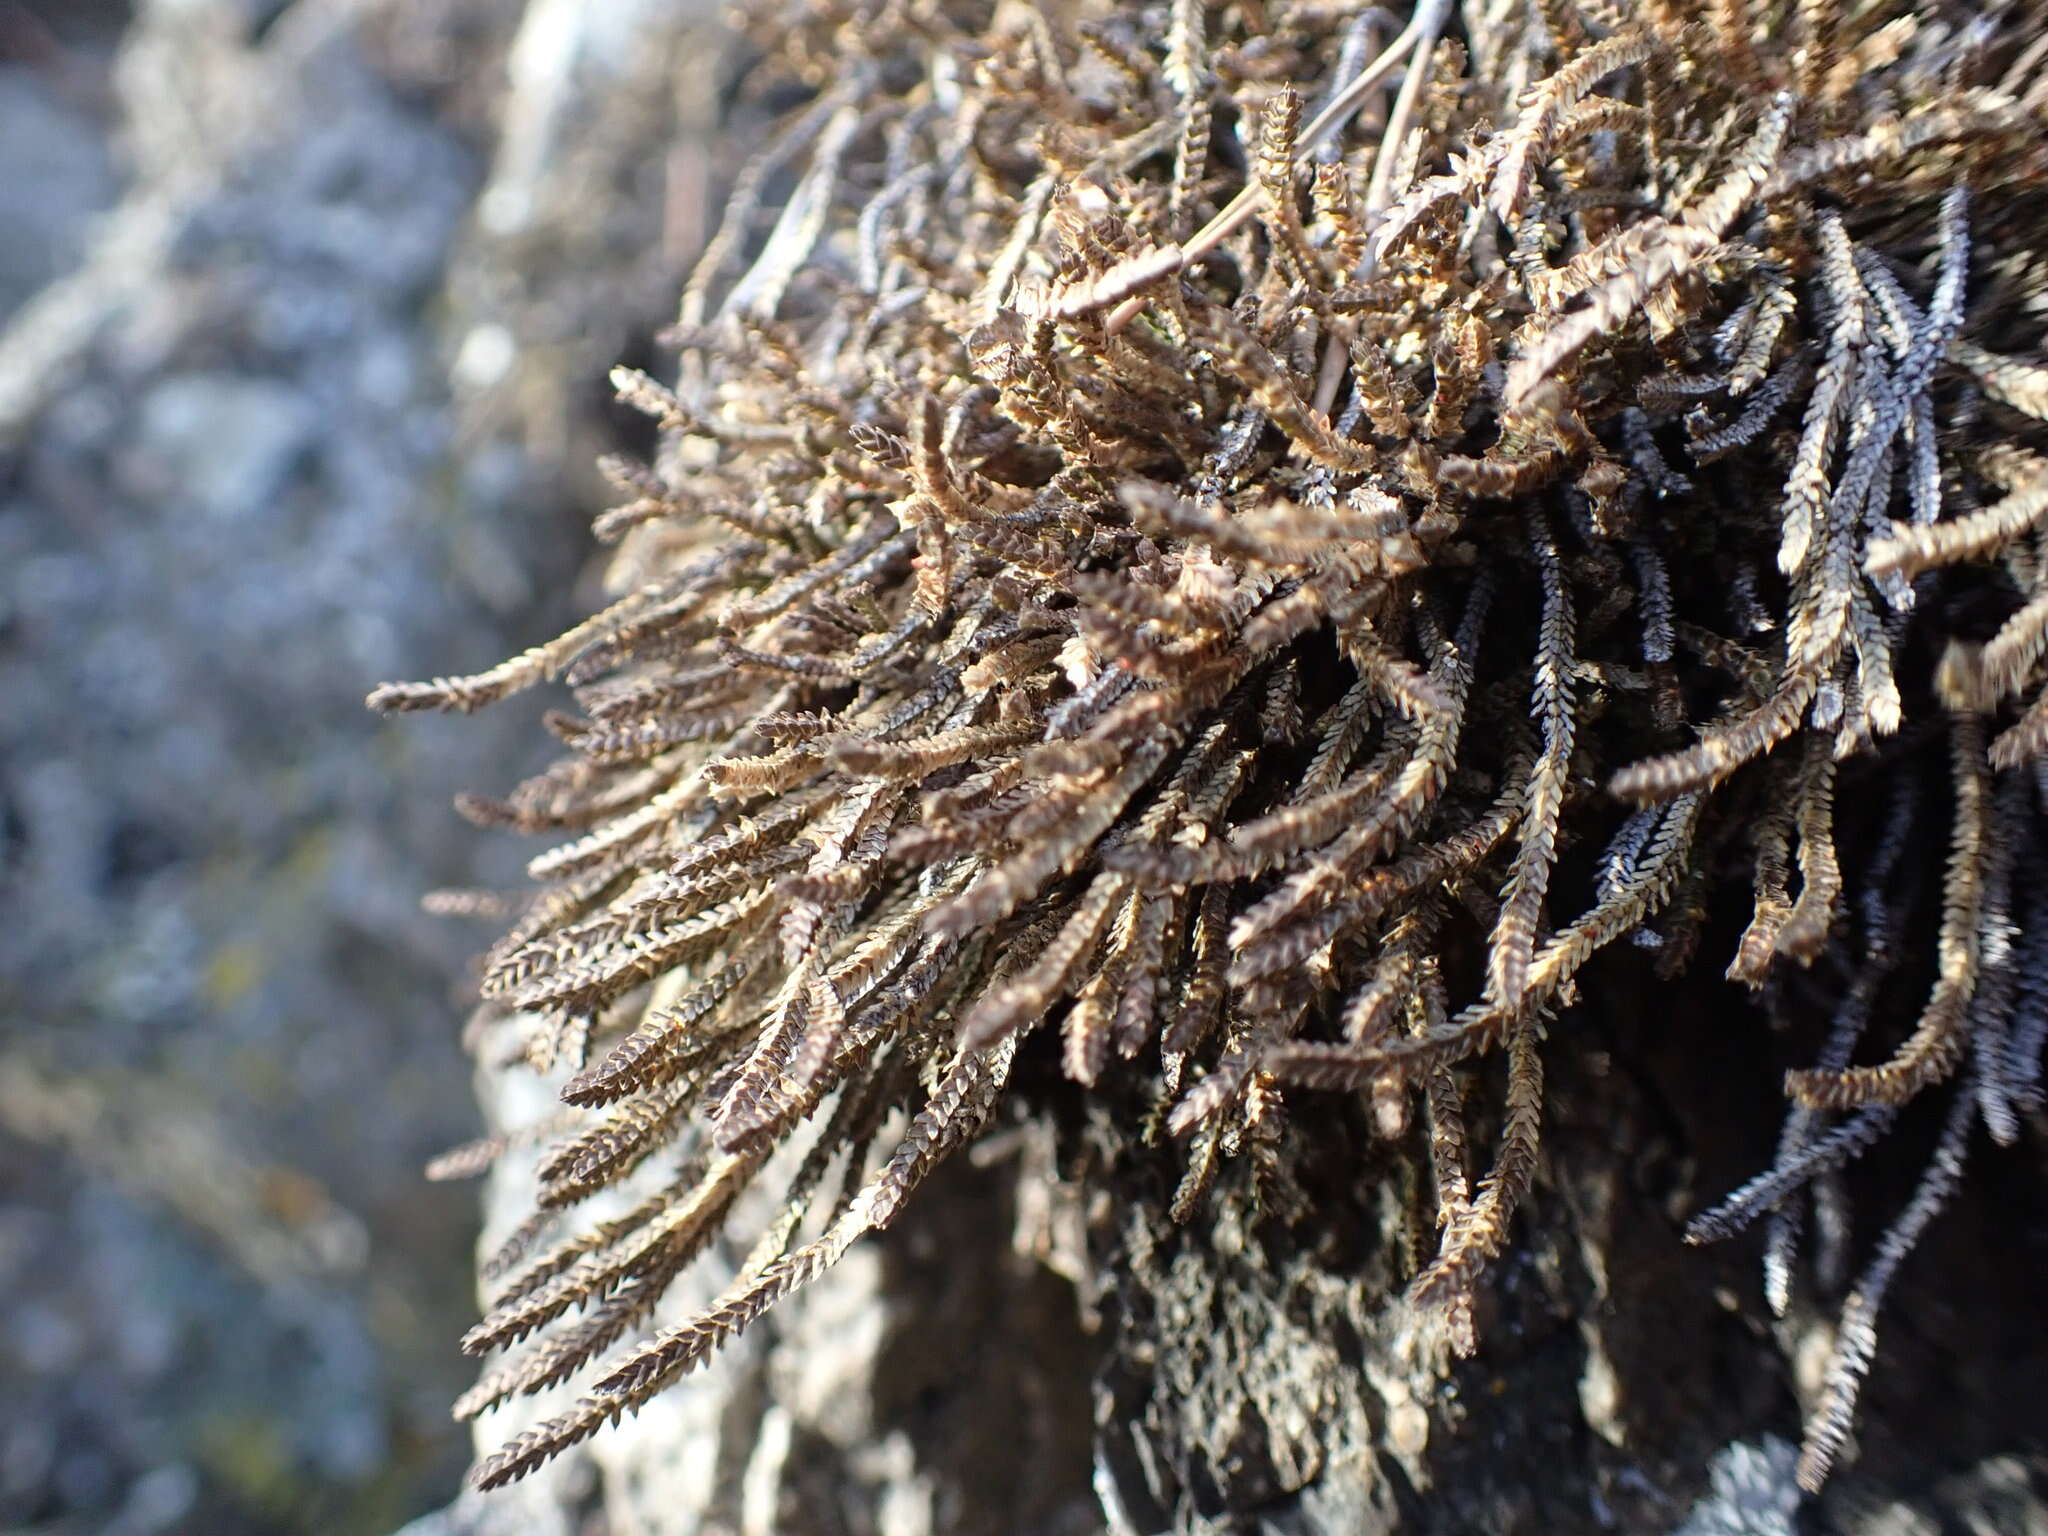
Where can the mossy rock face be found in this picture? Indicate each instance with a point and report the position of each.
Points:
(1379, 588)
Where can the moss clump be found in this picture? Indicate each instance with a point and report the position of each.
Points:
(1259, 549)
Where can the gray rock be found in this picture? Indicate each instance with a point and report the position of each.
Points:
(60, 177)
(1753, 1491)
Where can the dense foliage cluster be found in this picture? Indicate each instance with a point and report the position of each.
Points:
(1258, 543)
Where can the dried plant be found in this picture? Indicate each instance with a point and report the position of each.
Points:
(1139, 555)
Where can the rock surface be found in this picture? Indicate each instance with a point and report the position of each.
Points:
(239, 483)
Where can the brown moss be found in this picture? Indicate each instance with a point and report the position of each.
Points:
(1137, 555)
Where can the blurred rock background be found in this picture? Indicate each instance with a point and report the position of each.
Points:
(305, 312)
